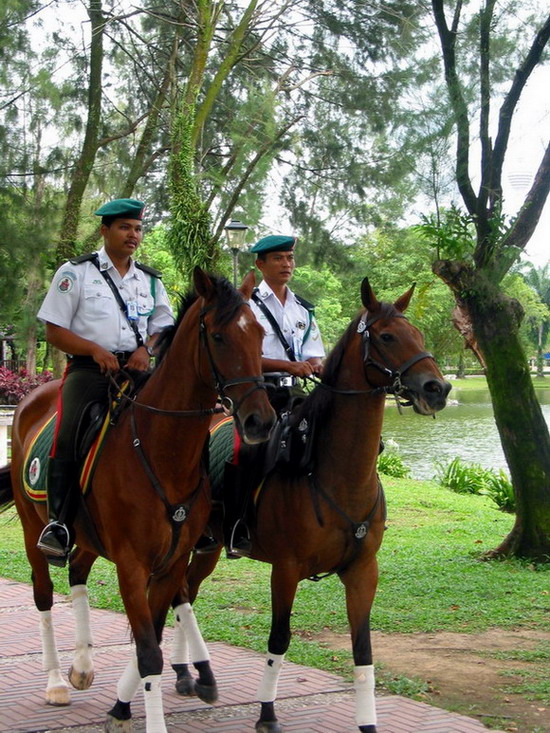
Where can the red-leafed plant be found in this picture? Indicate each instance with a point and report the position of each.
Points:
(15, 385)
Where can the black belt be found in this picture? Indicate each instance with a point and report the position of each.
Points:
(123, 356)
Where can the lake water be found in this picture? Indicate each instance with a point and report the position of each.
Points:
(466, 430)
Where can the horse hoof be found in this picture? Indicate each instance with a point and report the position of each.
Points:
(80, 680)
(206, 693)
(113, 725)
(269, 726)
(59, 696)
(186, 686)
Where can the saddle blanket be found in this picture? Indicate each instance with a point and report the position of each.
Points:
(223, 447)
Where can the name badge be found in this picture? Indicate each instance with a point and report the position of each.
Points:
(132, 310)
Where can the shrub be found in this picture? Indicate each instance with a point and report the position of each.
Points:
(471, 478)
(15, 385)
(501, 491)
(390, 463)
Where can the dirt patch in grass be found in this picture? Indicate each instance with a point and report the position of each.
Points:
(460, 672)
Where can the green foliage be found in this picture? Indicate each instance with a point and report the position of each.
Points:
(451, 232)
(471, 478)
(390, 463)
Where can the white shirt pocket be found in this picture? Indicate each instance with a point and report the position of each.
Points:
(97, 302)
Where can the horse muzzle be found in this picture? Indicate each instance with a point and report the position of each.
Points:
(427, 395)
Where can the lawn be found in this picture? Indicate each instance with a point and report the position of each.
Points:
(432, 578)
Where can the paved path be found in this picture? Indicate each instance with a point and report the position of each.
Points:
(309, 701)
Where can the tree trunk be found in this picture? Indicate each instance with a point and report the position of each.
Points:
(495, 320)
(84, 165)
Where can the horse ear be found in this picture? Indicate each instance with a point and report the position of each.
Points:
(368, 297)
(402, 303)
(203, 284)
(247, 285)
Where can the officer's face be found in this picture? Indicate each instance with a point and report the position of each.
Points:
(122, 238)
(277, 268)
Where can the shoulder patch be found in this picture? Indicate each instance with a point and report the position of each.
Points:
(148, 270)
(90, 257)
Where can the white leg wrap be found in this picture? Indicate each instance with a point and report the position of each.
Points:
(267, 692)
(364, 695)
(50, 660)
(154, 714)
(129, 681)
(83, 633)
(180, 647)
(198, 650)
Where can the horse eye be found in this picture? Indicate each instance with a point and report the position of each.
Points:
(217, 337)
(386, 337)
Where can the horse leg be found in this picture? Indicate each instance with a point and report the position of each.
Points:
(147, 671)
(57, 690)
(81, 671)
(360, 584)
(283, 591)
(187, 636)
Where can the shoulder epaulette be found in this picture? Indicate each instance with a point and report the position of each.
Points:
(90, 257)
(148, 270)
(307, 305)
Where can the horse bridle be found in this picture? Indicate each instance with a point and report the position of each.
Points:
(228, 406)
(395, 387)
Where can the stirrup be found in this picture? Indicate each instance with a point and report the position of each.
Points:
(239, 546)
(55, 541)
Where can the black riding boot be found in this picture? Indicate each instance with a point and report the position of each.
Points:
(56, 539)
(236, 494)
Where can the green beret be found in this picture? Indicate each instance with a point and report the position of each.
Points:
(123, 208)
(275, 243)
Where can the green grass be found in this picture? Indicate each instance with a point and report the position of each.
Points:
(432, 579)
(472, 383)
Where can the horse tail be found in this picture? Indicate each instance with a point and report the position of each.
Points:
(6, 489)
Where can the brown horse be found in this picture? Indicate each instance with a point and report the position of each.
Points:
(150, 498)
(330, 519)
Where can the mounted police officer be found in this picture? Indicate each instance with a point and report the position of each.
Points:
(292, 349)
(105, 311)
(292, 342)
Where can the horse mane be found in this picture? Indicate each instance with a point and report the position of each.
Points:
(229, 300)
(316, 405)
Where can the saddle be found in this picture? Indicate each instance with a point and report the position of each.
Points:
(289, 449)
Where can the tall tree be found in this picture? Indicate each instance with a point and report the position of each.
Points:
(487, 317)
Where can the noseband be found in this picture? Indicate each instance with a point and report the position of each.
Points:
(229, 407)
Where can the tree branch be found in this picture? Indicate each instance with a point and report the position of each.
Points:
(460, 110)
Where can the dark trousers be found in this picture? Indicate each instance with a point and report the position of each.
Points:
(83, 384)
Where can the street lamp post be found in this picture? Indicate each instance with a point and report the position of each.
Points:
(235, 232)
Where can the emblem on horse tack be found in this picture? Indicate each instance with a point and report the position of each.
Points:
(180, 515)
(34, 471)
(361, 531)
(361, 327)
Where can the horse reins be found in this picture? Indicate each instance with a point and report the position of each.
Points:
(178, 513)
(395, 387)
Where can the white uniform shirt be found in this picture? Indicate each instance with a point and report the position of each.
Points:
(294, 322)
(80, 299)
